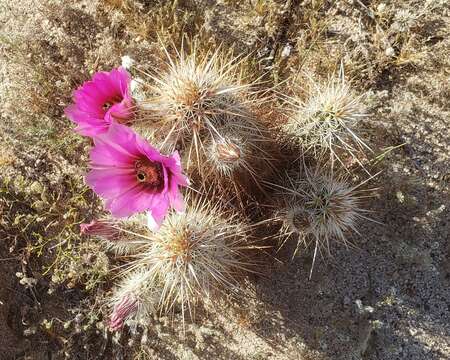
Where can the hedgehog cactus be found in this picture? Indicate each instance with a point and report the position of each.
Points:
(327, 121)
(192, 258)
(320, 207)
(236, 159)
(187, 102)
(202, 106)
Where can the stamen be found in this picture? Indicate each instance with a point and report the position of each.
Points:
(106, 106)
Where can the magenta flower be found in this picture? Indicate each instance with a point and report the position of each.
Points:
(100, 101)
(132, 176)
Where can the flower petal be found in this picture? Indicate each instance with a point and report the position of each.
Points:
(176, 198)
(124, 137)
(128, 203)
(156, 215)
(111, 182)
(113, 175)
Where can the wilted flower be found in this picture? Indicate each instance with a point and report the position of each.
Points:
(132, 176)
(101, 228)
(136, 299)
(101, 100)
(121, 311)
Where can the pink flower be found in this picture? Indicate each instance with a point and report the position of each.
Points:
(100, 101)
(102, 228)
(122, 310)
(132, 176)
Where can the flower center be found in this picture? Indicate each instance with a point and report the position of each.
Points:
(110, 102)
(106, 106)
(149, 173)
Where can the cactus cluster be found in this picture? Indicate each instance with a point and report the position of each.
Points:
(209, 136)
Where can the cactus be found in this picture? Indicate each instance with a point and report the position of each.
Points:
(192, 258)
(320, 207)
(328, 121)
(202, 106)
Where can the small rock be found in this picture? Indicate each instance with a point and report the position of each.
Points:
(127, 62)
(390, 51)
(381, 8)
(286, 51)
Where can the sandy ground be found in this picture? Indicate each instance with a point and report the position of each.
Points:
(388, 298)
